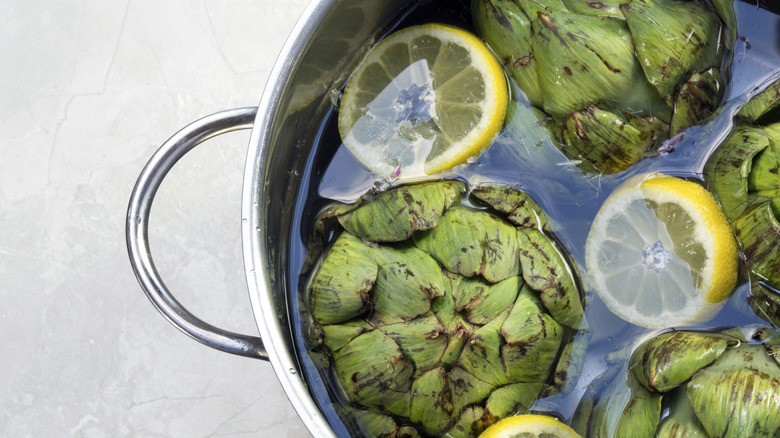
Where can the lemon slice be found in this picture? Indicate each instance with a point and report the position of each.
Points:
(529, 426)
(661, 253)
(425, 99)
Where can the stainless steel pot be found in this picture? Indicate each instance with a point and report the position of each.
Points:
(325, 45)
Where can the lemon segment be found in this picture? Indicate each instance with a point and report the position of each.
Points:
(661, 253)
(425, 99)
(529, 426)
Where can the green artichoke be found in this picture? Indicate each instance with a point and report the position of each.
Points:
(744, 174)
(689, 384)
(614, 79)
(442, 312)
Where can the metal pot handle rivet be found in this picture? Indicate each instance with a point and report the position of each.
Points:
(138, 239)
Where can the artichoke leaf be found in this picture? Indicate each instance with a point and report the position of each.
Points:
(407, 280)
(482, 354)
(670, 359)
(739, 394)
(758, 230)
(498, 297)
(765, 302)
(338, 335)
(521, 209)
(602, 8)
(513, 398)
(545, 270)
(407, 432)
(570, 362)
(697, 100)
(761, 103)
(533, 340)
(609, 142)
(394, 215)
(466, 389)
(626, 409)
(672, 39)
(469, 424)
(371, 424)
(728, 168)
(764, 177)
(584, 60)
(431, 405)
(507, 30)
(339, 289)
(373, 373)
(421, 340)
(681, 421)
(471, 243)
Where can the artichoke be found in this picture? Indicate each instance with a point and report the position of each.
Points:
(689, 384)
(613, 79)
(744, 174)
(442, 312)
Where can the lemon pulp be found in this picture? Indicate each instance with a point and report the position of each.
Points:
(529, 426)
(660, 252)
(425, 99)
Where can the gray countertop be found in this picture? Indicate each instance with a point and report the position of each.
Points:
(89, 90)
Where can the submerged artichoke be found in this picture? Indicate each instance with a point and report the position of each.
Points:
(440, 313)
(744, 174)
(713, 385)
(614, 79)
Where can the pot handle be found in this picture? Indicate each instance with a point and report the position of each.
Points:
(138, 238)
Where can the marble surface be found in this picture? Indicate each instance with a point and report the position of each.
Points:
(88, 91)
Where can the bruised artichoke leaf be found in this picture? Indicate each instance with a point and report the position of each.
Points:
(610, 142)
(602, 8)
(444, 305)
(394, 215)
(589, 59)
(762, 103)
(373, 373)
(728, 168)
(671, 358)
(467, 389)
(421, 340)
(430, 401)
(545, 270)
(482, 354)
(406, 282)
(471, 243)
(507, 30)
(697, 100)
(469, 424)
(739, 394)
(672, 39)
(495, 299)
(533, 340)
(513, 398)
(626, 409)
(521, 208)
(339, 290)
(338, 335)
(758, 230)
(681, 421)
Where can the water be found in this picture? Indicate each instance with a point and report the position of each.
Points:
(570, 196)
